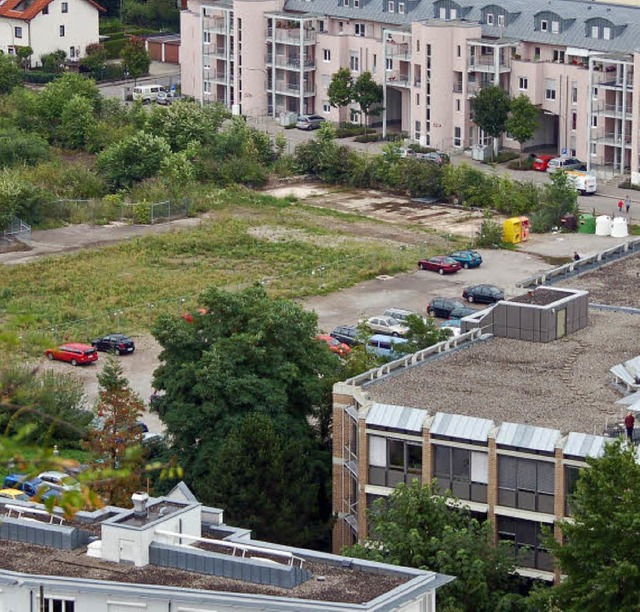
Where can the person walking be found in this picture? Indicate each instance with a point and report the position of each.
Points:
(627, 204)
(620, 205)
(576, 256)
(629, 422)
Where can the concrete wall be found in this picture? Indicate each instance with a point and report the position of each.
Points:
(42, 534)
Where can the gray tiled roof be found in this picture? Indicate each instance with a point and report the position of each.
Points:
(573, 13)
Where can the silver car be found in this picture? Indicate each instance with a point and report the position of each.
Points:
(387, 326)
(309, 122)
(565, 163)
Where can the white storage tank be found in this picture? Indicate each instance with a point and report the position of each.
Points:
(603, 225)
(619, 228)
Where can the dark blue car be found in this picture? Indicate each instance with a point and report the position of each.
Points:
(30, 486)
(467, 259)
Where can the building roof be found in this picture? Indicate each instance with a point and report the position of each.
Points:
(564, 385)
(575, 16)
(26, 10)
(396, 417)
(461, 427)
(584, 445)
(527, 437)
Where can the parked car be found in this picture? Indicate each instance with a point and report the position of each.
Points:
(565, 163)
(443, 307)
(399, 314)
(453, 325)
(30, 486)
(147, 93)
(387, 325)
(335, 346)
(13, 494)
(389, 347)
(541, 162)
(440, 264)
(114, 343)
(460, 313)
(468, 259)
(483, 294)
(583, 182)
(347, 334)
(60, 481)
(309, 122)
(167, 98)
(437, 157)
(73, 353)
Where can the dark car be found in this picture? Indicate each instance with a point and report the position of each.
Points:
(443, 307)
(347, 334)
(30, 486)
(114, 343)
(467, 259)
(461, 312)
(440, 264)
(483, 294)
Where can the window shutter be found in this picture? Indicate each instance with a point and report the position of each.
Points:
(377, 451)
(479, 467)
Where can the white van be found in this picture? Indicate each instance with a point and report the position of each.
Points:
(147, 93)
(584, 182)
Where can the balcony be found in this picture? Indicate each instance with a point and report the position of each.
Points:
(615, 140)
(457, 88)
(396, 78)
(487, 64)
(216, 76)
(292, 89)
(290, 63)
(400, 51)
(215, 26)
(210, 51)
(291, 36)
(614, 110)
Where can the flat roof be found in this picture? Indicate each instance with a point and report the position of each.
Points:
(565, 384)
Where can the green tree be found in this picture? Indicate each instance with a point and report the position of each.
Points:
(9, 73)
(368, 95)
(116, 440)
(248, 354)
(54, 61)
(95, 59)
(24, 55)
(523, 120)
(77, 123)
(135, 58)
(559, 198)
(133, 159)
(417, 526)
(340, 88)
(18, 147)
(322, 156)
(600, 555)
(423, 333)
(490, 111)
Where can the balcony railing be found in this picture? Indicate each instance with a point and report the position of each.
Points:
(614, 110)
(214, 51)
(399, 51)
(612, 139)
(291, 36)
(282, 61)
(457, 88)
(397, 79)
(487, 64)
(215, 26)
(292, 88)
(216, 76)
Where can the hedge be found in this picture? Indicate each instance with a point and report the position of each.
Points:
(39, 76)
(114, 47)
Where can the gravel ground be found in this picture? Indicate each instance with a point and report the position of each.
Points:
(563, 385)
(617, 283)
(339, 584)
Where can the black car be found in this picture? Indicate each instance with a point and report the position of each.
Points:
(483, 294)
(442, 307)
(114, 343)
(348, 334)
(460, 313)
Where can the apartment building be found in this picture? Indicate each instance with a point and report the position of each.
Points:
(49, 25)
(575, 60)
(503, 423)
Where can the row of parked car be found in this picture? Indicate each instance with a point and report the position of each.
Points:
(451, 263)
(77, 353)
(48, 484)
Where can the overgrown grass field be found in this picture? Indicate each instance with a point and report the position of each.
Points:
(294, 250)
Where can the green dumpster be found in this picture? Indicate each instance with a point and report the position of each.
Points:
(587, 224)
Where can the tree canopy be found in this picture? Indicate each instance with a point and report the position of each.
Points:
(135, 58)
(368, 95)
(339, 90)
(523, 119)
(10, 76)
(417, 526)
(490, 111)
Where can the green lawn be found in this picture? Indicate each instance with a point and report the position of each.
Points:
(295, 250)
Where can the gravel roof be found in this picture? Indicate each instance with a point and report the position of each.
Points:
(564, 384)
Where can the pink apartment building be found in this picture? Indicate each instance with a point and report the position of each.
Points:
(575, 60)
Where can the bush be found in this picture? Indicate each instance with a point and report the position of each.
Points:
(368, 138)
(347, 130)
(525, 164)
(114, 47)
(18, 147)
(490, 234)
(39, 76)
(416, 148)
(629, 185)
(503, 156)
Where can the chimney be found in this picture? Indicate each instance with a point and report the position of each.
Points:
(139, 499)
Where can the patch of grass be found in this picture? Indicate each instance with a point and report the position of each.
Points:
(124, 287)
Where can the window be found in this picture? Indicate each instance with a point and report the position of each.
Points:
(416, 131)
(393, 461)
(72, 53)
(418, 99)
(490, 19)
(354, 62)
(206, 87)
(594, 150)
(388, 63)
(443, 12)
(461, 471)
(62, 30)
(418, 45)
(606, 33)
(458, 51)
(326, 107)
(340, 27)
(206, 38)
(501, 21)
(65, 7)
(401, 8)
(458, 105)
(321, 25)
(574, 94)
(453, 13)
(536, 53)
(45, 10)
(550, 89)
(354, 115)
(391, 6)
(326, 80)
(544, 25)
(526, 483)
(558, 56)
(17, 32)
(594, 32)
(375, 63)
(326, 55)
(594, 121)
(59, 605)
(457, 137)
(526, 539)
(555, 27)
(360, 29)
(574, 120)
(571, 475)
(356, 3)
(523, 83)
(595, 93)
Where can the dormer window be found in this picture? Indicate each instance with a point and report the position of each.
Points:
(602, 29)
(391, 6)
(548, 21)
(490, 19)
(555, 27)
(544, 25)
(356, 3)
(501, 21)
(606, 33)
(401, 8)
(447, 9)
(454, 13)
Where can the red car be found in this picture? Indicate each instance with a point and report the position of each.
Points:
(440, 264)
(73, 353)
(335, 346)
(541, 162)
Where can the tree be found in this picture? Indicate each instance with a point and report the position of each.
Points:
(248, 354)
(339, 91)
(368, 95)
(9, 73)
(423, 333)
(116, 441)
(54, 61)
(95, 59)
(24, 54)
(600, 555)
(135, 58)
(490, 111)
(133, 159)
(523, 120)
(76, 123)
(57, 94)
(559, 198)
(417, 526)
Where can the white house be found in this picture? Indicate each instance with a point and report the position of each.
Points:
(49, 25)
